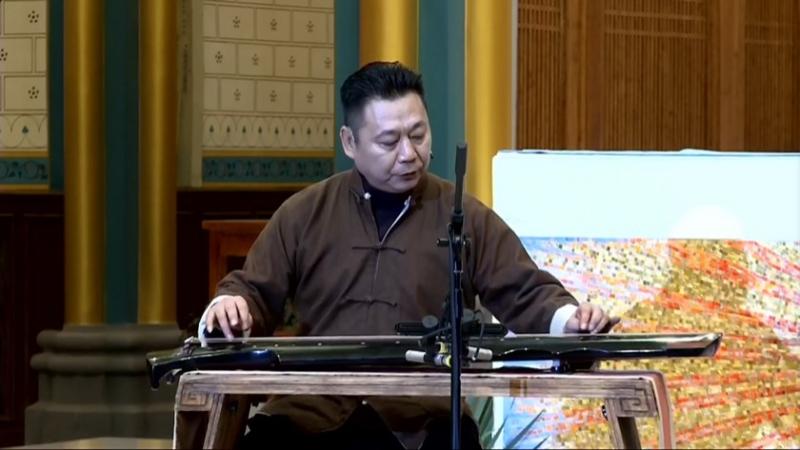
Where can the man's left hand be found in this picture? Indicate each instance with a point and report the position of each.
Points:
(589, 318)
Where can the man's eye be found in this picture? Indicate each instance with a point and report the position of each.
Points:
(418, 138)
(390, 144)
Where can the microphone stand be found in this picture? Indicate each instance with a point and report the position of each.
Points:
(448, 333)
(455, 241)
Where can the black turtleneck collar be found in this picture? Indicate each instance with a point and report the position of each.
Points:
(386, 206)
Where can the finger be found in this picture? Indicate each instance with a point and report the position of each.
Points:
(598, 327)
(244, 313)
(210, 320)
(233, 314)
(609, 325)
(597, 315)
(222, 318)
(584, 313)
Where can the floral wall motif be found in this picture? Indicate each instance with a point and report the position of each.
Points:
(23, 92)
(264, 78)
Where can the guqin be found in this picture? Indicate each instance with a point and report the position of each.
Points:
(570, 352)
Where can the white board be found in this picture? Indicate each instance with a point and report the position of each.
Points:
(659, 195)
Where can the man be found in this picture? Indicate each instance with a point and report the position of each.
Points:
(356, 253)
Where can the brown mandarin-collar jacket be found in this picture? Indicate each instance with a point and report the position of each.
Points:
(321, 250)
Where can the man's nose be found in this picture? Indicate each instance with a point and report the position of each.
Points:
(407, 150)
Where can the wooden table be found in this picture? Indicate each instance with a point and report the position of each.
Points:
(105, 443)
(224, 396)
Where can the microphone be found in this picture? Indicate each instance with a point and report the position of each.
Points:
(437, 359)
(444, 359)
(479, 354)
(461, 170)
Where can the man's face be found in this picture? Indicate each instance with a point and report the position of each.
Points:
(393, 146)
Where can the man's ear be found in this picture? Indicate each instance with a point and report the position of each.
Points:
(348, 141)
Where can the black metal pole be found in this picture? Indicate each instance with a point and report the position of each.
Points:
(456, 238)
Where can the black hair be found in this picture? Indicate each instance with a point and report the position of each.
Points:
(377, 80)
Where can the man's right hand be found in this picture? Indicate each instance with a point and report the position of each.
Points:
(229, 313)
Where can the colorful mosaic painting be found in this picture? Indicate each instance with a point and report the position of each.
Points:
(748, 396)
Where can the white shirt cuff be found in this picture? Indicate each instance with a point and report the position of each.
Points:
(560, 318)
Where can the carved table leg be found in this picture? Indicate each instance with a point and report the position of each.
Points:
(667, 435)
(623, 429)
(226, 420)
(652, 401)
(191, 417)
(208, 420)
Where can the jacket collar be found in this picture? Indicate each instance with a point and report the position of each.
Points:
(357, 187)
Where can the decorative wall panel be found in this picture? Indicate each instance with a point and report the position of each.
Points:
(772, 73)
(32, 283)
(655, 74)
(541, 74)
(658, 74)
(264, 83)
(23, 93)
